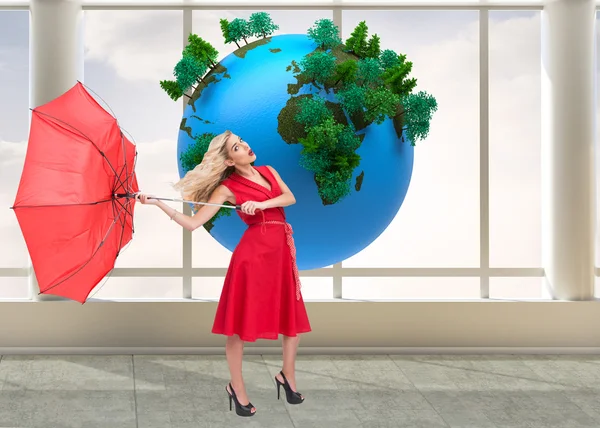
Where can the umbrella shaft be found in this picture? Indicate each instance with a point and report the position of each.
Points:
(131, 195)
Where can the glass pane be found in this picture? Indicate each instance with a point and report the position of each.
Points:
(14, 129)
(438, 222)
(515, 139)
(127, 54)
(207, 251)
(386, 288)
(14, 288)
(138, 288)
(313, 288)
(517, 288)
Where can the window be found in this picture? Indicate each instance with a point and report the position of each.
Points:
(113, 287)
(517, 288)
(14, 288)
(515, 139)
(127, 54)
(382, 288)
(14, 131)
(438, 222)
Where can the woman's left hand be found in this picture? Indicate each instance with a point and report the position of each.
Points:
(250, 207)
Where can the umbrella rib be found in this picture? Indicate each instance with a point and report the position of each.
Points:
(123, 224)
(124, 159)
(95, 93)
(86, 137)
(128, 176)
(121, 130)
(90, 259)
(125, 208)
(62, 205)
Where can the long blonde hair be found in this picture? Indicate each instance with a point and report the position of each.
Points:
(199, 183)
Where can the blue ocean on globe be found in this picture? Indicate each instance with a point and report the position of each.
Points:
(247, 100)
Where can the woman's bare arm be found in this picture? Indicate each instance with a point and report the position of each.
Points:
(221, 195)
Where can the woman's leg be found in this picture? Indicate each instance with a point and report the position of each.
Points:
(290, 349)
(234, 349)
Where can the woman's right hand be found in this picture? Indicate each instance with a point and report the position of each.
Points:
(146, 199)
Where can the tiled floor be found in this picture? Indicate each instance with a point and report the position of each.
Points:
(342, 391)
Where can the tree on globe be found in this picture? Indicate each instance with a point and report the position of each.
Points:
(357, 42)
(226, 32)
(318, 67)
(237, 30)
(188, 72)
(198, 57)
(373, 47)
(325, 34)
(261, 24)
(173, 90)
(346, 72)
(388, 59)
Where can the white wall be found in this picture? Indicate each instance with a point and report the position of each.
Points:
(184, 327)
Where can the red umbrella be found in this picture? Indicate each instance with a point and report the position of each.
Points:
(74, 203)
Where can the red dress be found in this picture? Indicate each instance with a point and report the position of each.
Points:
(261, 295)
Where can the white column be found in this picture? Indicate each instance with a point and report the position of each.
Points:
(568, 124)
(55, 61)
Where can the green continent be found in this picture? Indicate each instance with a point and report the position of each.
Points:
(359, 181)
(291, 130)
(398, 122)
(241, 52)
(328, 139)
(187, 129)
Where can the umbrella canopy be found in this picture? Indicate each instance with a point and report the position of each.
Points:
(74, 204)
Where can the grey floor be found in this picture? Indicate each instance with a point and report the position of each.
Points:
(342, 391)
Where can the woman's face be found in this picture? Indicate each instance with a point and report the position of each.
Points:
(238, 152)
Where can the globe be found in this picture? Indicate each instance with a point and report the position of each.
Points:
(249, 91)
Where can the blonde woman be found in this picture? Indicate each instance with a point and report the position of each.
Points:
(261, 295)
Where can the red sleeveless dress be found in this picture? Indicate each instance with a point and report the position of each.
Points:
(261, 295)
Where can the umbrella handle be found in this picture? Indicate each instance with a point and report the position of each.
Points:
(134, 195)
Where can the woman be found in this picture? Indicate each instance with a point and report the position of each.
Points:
(261, 295)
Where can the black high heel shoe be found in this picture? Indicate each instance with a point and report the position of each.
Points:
(293, 397)
(239, 409)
